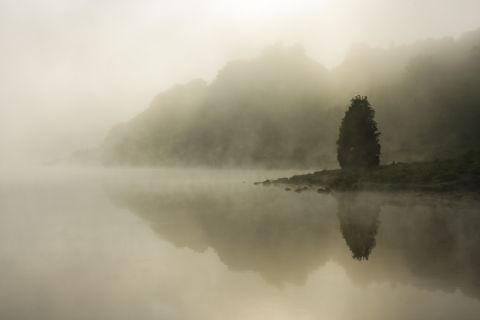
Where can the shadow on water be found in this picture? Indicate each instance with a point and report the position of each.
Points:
(429, 242)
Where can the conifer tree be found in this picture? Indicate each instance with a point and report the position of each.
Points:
(357, 144)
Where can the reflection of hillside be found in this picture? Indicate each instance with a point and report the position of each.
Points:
(438, 240)
(280, 238)
(428, 242)
(432, 243)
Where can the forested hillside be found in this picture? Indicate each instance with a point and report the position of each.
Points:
(283, 109)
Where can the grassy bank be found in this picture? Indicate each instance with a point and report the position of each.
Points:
(457, 174)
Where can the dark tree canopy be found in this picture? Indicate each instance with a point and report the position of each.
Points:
(357, 144)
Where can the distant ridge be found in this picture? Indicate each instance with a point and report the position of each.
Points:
(283, 109)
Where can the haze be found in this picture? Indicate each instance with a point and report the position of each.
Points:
(72, 69)
(265, 159)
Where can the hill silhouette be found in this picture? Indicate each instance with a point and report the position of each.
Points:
(283, 109)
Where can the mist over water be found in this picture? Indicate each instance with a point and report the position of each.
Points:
(134, 136)
(183, 244)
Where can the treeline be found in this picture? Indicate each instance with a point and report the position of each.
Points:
(283, 109)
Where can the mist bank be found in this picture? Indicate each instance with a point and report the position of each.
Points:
(283, 109)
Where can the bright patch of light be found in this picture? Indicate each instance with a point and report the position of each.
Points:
(254, 10)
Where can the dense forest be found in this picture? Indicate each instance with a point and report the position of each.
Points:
(283, 109)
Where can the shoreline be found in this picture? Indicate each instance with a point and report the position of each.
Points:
(460, 174)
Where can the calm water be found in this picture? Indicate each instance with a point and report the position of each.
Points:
(173, 244)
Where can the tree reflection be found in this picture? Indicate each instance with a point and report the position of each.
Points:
(429, 242)
(359, 217)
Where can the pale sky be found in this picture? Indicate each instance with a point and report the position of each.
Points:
(69, 70)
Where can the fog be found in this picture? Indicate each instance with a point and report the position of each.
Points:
(70, 70)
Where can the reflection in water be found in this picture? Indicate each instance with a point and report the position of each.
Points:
(272, 235)
(425, 241)
(358, 217)
(202, 244)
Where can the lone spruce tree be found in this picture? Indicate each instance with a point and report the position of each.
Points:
(357, 144)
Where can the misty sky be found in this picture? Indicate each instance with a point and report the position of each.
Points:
(69, 70)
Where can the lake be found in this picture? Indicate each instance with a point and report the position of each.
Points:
(208, 244)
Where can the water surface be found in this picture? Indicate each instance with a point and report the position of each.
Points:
(208, 244)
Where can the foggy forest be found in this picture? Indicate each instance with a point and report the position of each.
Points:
(283, 109)
(244, 160)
